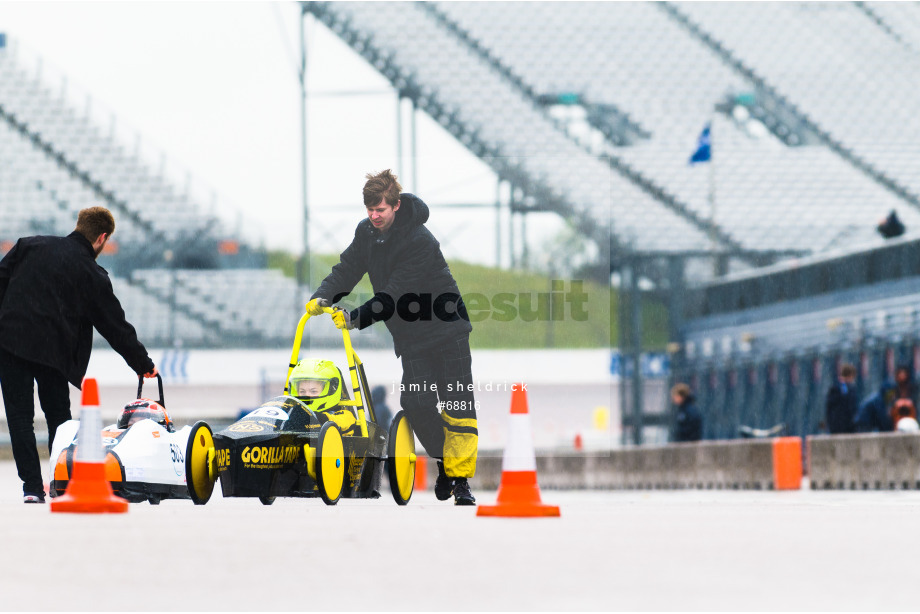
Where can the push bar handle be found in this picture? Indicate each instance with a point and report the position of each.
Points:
(140, 388)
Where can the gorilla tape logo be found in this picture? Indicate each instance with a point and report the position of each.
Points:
(222, 458)
(269, 457)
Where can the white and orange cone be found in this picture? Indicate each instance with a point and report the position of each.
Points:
(88, 490)
(519, 493)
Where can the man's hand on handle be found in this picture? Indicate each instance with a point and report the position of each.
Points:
(152, 374)
(342, 319)
(315, 306)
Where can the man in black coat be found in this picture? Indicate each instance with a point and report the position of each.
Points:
(416, 296)
(52, 294)
(842, 404)
(689, 420)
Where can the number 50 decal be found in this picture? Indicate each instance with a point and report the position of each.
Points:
(178, 459)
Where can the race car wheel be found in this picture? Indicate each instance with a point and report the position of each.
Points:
(330, 463)
(199, 458)
(267, 500)
(401, 458)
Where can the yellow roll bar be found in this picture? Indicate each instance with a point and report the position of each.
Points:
(353, 363)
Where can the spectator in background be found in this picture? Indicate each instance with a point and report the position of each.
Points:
(891, 226)
(379, 400)
(904, 386)
(873, 414)
(906, 419)
(689, 419)
(842, 403)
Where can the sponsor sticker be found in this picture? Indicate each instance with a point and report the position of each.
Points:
(354, 469)
(269, 457)
(222, 458)
(246, 427)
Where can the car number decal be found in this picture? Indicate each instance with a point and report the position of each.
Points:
(178, 459)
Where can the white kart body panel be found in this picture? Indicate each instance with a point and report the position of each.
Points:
(148, 452)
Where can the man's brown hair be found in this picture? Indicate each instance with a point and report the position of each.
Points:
(383, 185)
(681, 390)
(847, 370)
(93, 221)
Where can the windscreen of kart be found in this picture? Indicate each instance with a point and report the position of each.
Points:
(135, 413)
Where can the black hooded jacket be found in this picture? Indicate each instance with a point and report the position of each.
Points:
(414, 293)
(689, 421)
(52, 294)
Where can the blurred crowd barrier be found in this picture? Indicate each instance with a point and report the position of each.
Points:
(875, 461)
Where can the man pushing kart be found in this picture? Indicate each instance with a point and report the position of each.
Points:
(416, 296)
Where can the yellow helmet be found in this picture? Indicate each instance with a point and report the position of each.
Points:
(318, 383)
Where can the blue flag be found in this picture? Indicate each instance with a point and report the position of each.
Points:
(703, 151)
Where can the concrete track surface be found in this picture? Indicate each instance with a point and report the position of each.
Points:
(659, 550)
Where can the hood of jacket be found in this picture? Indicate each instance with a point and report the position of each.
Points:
(412, 213)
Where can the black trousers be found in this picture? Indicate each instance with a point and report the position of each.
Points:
(16, 380)
(437, 395)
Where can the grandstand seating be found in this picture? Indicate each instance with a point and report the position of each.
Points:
(256, 306)
(510, 123)
(901, 19)
(634, 56)
(879, 310)
(842, 71)
(164, 213)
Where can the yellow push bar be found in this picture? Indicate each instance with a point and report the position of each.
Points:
(353, 362)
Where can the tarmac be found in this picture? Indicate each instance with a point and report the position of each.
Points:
(610, 550)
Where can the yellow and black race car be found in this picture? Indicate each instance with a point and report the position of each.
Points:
(315, 440)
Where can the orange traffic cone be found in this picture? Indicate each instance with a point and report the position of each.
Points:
(519, 493)
(89, 491)
(421, 473)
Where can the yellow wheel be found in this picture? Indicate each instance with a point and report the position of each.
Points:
(330, 463)
(200, 473)
(401, 458)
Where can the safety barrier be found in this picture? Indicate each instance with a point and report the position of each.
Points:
(871, 461)
(753, 464)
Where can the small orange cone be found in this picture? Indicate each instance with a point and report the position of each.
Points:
(519, 493)
(88, 491)
(421, 473)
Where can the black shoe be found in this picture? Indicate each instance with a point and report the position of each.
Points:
(33, 497)
(461, 492)
(444, 486)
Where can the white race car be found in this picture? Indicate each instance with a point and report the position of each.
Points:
(146, 459)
